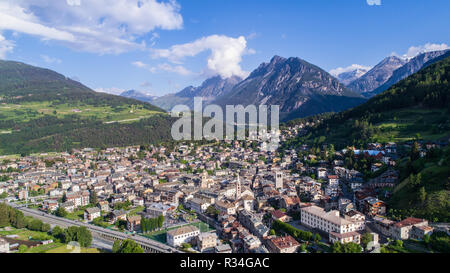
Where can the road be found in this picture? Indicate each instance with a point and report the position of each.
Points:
(103, 236)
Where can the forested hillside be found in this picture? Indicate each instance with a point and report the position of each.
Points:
(41, 110)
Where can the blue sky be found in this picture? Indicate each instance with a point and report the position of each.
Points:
(163, 46)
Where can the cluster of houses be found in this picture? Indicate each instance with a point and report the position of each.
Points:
(242, 183)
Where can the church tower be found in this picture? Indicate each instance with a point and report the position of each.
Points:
(279, 180)
(204, 180)
(238, 188)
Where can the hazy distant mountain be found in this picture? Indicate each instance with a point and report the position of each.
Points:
(298, 87)
(349, 76)
(209, 90)
(412, 66)
(133, 94)
(377, 76)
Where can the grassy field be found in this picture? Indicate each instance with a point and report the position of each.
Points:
(160, 235)
(55, 247)
(65, 249)
(33, 110)
(25, 234)
(403, 125)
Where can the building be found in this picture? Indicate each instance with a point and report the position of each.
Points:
(321, 173)
(404, 230)
(78, 199)
(181, 235)
(133, 222)
(278, 180)
(373, 206)
(281, 216)
(4, 246)
(384, 225)
(103, 206)
(253, 223)
(357, 218)
(50, 205)
(156, 209)
(23, 194)
(206, 241)
(333, 180)
(91, 213)
(224, 248)
(251, 242)
(226, 207)
(338, 228)
(198, 205)
(286, 244)
(117, 215)
(419, 231)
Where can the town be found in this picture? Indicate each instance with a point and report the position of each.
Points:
(221, 196)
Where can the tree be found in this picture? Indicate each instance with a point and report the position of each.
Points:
(64, 198)
(426, 239)
(351, 248)
(398, 243)
(366, 238)
(45, 227)
(58, 233)
(127, 246)
(336, 247)
(186, 246)
(422, 194)
(116, 246)
(80, 234)
(317, 238)
(93, 197)
(84, 237)
(303, 248)
(4, 215)
(160, 221)
(61, 212)
(23, 248)
(415, 151)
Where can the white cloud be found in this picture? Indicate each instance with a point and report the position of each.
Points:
(374, 2)
(178, 69)
(337, 71)
(139, 64)
(73, 2)
(50, 60)
(6, 46)
(224, 60)
(428, 47)
(112, 90)
(100, 26)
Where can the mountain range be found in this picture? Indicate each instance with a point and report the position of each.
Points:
(137, 95)
(387, 73)
(298, 87)
(377, 76)
(209, 90)
(348, 77)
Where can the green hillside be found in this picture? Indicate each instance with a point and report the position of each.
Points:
(425, 188)
(418, 106)
(41, 110)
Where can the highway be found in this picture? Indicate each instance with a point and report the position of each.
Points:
(100, 234)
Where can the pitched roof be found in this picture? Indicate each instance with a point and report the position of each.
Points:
(409, 222)
(182, 230)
